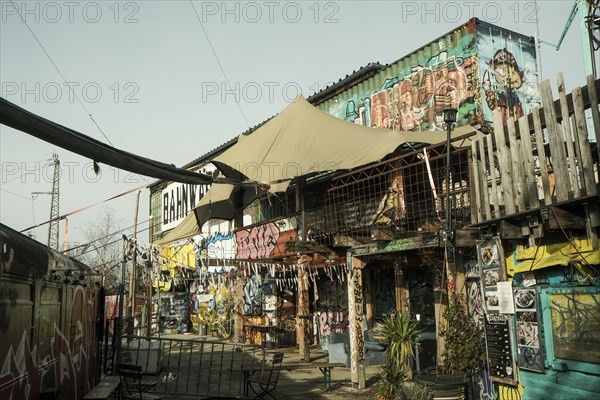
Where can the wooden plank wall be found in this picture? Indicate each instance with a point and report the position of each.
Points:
(522, 167)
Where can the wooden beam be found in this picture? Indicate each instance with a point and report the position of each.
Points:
(505, 164)
(541, 151)
(566, 125)
(557, 144)
(592, 90)
(489, 144)
(517, 167)
(528, 165)
(476, 199)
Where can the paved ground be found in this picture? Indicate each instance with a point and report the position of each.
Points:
(308, 384)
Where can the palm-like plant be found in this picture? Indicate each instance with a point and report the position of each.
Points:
(401, 332)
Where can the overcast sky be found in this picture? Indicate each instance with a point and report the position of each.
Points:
(147, 73)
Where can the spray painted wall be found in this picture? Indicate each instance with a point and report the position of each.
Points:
(508, 72)
(411, 93)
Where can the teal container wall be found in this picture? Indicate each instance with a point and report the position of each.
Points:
(411, 93)
(566, 378)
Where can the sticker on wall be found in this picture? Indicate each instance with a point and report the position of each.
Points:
(530, 354)
(489, 255)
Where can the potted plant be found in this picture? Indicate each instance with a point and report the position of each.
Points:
(463, 349)
(401, 334)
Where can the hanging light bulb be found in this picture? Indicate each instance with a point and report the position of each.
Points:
(96, 167)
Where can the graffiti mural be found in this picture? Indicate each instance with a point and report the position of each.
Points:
(507, 67)
(476, 69)
(58, 360)
(266, 240)
(252, 298)
(174, 312)
(332, 306)
(413, 100)
(356, 301)
(576, 326)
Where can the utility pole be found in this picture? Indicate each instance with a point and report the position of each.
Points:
(54, 205)
(134, 275)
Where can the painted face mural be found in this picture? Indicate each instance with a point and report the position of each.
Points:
(507, 66)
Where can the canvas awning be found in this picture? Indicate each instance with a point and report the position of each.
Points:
(302, 140)
(186, 229)
(299, 141)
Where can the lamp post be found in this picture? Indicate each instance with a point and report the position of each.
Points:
(449, 119)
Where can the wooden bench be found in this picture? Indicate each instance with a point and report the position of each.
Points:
(104, 389)
(325, 369)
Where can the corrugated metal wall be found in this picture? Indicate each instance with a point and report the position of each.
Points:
(464, 69)
(411, 93)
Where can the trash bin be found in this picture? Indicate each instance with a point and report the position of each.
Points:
(147, 355)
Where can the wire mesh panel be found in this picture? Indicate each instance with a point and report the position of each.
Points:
(398, 197)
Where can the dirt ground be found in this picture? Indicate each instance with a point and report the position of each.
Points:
(308, 383)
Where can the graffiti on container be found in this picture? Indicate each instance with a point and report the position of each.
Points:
(67, 362)
(475, 303)
(264, 241)
(415, 99)
(507, 67)
(252, 297)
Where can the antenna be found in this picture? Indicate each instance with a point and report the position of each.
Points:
(54, 205)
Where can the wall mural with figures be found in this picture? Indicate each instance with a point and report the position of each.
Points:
(475, 69)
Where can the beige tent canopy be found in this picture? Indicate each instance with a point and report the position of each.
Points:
(300, 140)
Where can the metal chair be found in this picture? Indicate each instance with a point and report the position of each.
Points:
(264, 384)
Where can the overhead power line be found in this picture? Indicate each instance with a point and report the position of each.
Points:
(60, 73)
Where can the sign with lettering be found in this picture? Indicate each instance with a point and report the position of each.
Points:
(499, 339)
(178, 199)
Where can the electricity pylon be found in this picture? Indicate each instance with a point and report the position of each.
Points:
(54, 205)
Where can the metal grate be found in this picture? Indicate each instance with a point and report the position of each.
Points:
(399, 197)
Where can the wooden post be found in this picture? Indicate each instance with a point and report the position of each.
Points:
(440, 301)
(304, 326)
(557, 144)
(355, 319)
(402, 295)
(505, 163)
(370, 298)
(239, 312)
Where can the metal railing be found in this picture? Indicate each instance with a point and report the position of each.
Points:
(193, 367)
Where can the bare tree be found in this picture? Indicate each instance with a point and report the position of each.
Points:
(105, 250)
